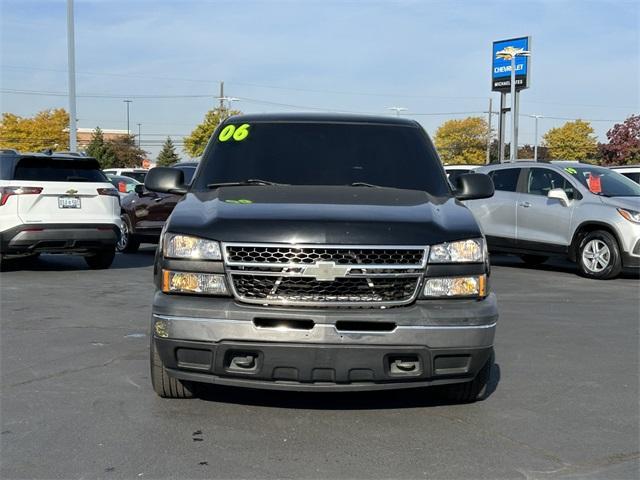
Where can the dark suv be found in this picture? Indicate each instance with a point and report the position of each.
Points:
(321, 252)
(144, 212)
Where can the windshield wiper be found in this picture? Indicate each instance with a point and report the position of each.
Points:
(243, 183)
(365, 184)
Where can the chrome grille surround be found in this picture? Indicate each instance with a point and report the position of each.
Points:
(338, 276)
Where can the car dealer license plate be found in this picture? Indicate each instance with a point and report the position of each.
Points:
(68, 202)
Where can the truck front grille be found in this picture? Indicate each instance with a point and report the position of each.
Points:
(324, 276)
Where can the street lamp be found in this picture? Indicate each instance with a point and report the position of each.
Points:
(228, 100)
(510, 53)
(139, 135)
(127, 102)
(535, 145)
(397, 110)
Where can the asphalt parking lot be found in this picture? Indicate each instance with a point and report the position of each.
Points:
(76, 399)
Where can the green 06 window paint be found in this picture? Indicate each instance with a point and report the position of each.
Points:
(237, 133)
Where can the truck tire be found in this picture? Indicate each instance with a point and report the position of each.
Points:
(534, 259)
(101, 259)
(599, 256)
(164, 385)
(469, 392)
(128, 242)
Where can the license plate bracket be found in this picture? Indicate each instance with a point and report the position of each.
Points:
(69, 202)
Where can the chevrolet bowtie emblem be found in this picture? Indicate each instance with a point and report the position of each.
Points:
(325, 271)
(71, 191)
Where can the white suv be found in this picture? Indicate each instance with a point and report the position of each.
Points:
(57, 203)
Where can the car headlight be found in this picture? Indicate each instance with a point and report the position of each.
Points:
(463, 251)
(446, 287)
(194, 248)
(630, 215)
(195, 283)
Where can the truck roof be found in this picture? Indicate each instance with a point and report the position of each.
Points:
(322, 118)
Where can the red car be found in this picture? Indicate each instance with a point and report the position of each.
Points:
(144, 213)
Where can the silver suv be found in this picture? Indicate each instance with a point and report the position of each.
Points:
(589, 214)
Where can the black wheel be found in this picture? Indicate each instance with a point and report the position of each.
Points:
(101, 259)
(128, 242)
(599, 256)
(533, 259)
(164, 385)
(469, 392)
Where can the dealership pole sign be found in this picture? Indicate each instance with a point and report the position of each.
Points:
(501, 67)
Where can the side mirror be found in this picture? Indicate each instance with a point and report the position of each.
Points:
(559, 194)
(139, 189)
(165, 180)
(473, 186)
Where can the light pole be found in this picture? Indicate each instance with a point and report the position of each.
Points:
(535, 144)
(139, 135)
(128, 102)
(397, 110)
(511, 53)
(71, 56)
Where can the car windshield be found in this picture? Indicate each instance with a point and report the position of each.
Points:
(122, 183)
(139, 176)
(307, 153)
(58, 170)
(605, 182)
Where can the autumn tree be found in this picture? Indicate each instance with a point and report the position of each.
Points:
(196, 142)
(98, 149)
(125, 152)
(463, 141)
(624, 143)
(572, 141)
(167, 155)
(47, 129)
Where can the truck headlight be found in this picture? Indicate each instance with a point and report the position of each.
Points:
(463, 251)
(193, 248)
(630, 215)
(446, 287)
(195, 283)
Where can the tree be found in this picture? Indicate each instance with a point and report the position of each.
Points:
(624, 143)
(463, 141)
(125, 152)
(571, 141)
(167, 155)
(99, 150)
(47, 129)
(196, 142)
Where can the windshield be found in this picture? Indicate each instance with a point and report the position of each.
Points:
(58, 170)
(122, 183)
(605, 182)
(325, 154)
(139, 176)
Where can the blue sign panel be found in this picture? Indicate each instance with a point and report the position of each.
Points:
(501, 69)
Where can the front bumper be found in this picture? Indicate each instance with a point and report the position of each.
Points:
(216, 340)
(58, 238)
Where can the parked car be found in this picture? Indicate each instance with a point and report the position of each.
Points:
(57, 203)
(586, 213)
(124, 185)
(454, 171)
(629, 171)
(135, 173)
(321, 252)
(145, 212)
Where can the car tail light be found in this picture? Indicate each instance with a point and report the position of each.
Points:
(6, 192)
(112, 192)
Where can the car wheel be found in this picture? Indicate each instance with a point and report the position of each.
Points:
(101, 259)
(164, 385)
(476, 389)
(599, 256)
(533, 259)
(128, 243)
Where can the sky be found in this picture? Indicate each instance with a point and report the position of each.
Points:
(431, 57)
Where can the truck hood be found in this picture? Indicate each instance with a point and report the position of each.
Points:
(322, 215)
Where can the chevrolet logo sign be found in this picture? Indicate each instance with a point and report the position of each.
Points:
(71, 191)
(325, 271)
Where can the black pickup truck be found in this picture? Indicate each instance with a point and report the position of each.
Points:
(321, 252)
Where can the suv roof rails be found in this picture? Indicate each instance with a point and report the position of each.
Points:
(10, 150)
(73, 154)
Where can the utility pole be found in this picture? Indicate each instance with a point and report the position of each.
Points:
(71, 58)
(139, 135)
(502, 125)
(489, 132)
(128, 102)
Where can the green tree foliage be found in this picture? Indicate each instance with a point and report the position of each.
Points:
(463, 141)
(572, 141)
(125, 152)
(624, 143)
(47, 129)
(99, 149)
(167, 155)
(196, 142)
